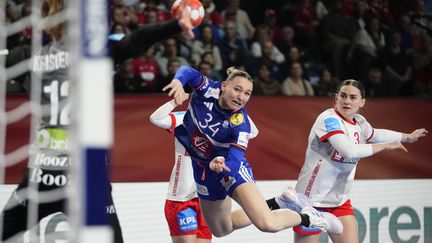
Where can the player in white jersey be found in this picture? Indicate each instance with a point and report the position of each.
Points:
(338, 139)
(182, 210)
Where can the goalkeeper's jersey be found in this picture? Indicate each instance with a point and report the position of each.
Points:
(49, 152)
(326, 176)
(50, 149)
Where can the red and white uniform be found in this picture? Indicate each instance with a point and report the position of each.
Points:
(327, 175)
(181, 185)
(182, 211)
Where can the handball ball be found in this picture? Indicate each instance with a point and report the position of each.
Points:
(194, 8)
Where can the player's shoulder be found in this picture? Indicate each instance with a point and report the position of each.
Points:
(329, 113)
(328, 119)
(210, 88)
(360, 118)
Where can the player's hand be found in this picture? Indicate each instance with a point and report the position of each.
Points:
(415, 135)
(182, 98)
(218, 165)
(184, 21)
(395, 146)
(176, 91)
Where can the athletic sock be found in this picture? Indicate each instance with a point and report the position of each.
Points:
(305, 221)
(272, 204)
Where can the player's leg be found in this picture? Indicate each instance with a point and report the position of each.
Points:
(256, 209)
(184, 239)
(217, 215)
(13, 217)
(203, 235)
(350, 232)
(202, 240)
(306, 238)
(113, 218)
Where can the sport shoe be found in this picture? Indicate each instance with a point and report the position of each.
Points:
(292, 200)
(323, 220)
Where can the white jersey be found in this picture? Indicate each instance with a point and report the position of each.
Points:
(326, 176)
(181, 186)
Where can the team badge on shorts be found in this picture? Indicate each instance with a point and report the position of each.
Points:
(187, 220)
(237, 119)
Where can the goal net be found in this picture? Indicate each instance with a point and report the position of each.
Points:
(56, 50)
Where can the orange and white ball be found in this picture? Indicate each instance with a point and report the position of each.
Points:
(194, 8)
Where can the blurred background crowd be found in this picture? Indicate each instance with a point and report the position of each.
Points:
(290, 47)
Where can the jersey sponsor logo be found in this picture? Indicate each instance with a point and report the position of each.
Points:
(201, 145)
(187, 220)
(51, 62)
(178, 164)
(243, 139)
(332, 124)
(51, 161)
(338, 157)
(47, 179)
(237, 119)
(201, 189)
(57, 139)
(312, 179)
(227, 182)
(212, 93)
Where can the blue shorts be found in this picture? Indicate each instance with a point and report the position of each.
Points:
(213, 186)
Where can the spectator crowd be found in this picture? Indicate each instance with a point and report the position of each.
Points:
(298, 48)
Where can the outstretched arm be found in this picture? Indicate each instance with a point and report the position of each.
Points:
(141, 39)
(414, 135)
(384, 135)
(351, 150)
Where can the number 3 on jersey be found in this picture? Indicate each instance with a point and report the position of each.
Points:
(59, 114)
(357, 137)
(211, 127)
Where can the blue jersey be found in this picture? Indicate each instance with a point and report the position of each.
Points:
(208, 130)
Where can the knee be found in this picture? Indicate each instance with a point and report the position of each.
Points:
(220, 232)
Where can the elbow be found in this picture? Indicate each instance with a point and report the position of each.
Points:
(153, 119)
(256, 132)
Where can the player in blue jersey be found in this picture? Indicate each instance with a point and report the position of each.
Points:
(215, 132)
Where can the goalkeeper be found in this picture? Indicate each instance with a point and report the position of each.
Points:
(49, 160)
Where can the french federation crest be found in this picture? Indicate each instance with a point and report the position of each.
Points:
(237, 119)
